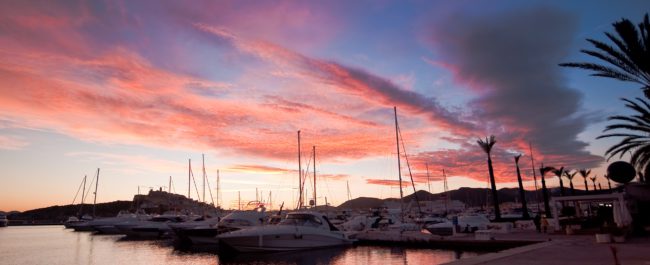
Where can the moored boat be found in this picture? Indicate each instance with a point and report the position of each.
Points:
(298, 231)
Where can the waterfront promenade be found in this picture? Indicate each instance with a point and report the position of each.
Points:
(563, 249)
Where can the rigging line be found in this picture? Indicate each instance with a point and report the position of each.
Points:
(88, 191)
(209, 189)
(198, 195)
(78, 189)
(408, 165)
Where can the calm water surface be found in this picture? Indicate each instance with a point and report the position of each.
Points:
(56, 245)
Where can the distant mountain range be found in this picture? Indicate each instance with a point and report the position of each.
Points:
(61, 213)
(469, 196)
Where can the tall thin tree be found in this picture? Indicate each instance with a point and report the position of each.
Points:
(487, 148)
(570, 176)
(542, 171)
(522, 192)
(558, 174)
(593, 180)
(584, 173)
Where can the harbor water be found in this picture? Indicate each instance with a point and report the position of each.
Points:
(56, 245)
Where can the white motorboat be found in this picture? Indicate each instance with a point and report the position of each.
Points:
(298, 231)
(205, 234)
(466, 223)
(3, 220)
(154, 228)
(73, 221)
(107, 225)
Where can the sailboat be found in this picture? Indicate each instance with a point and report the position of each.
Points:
(298, 231)
(79, 223)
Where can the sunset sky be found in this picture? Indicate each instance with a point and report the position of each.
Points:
(137, 88)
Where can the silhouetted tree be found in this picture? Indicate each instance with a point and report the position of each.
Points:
(628, 60)
(570, 177)
(522, 192)
(635, 133)
(558, 174)
(609, 182)
(593, 180)
(542, 171)
(487, 148)
(585, 174)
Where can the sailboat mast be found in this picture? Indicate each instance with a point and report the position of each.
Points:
(204, 176)
(314, 151)
(218, 187)
(95, 199)
(83, 196)
(169, 188)
(446, 190)
(189, 178)
(299, 174)
(399, 166)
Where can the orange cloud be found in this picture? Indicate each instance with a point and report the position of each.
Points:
(386, 182)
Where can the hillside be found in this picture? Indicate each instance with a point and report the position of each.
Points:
(469, 196)
(61, 213)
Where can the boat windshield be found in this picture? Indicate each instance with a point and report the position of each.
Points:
(302, 220)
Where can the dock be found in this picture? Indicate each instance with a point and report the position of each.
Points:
(457, 242)
(569, 250)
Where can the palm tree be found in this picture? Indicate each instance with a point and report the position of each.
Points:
(609, 182)
(585, 174)
(628, 59)
(543, 170)
(570, 177)
(487, 148)
(635, 134)
(522, 192)
(558, 174)
(593, 179)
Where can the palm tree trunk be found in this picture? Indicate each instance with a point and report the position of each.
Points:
(561, 186)
(573, 191)
(609, 183)
(522, 192)
(497, 213)
(547, 208)
(594, 181)
(586, 185)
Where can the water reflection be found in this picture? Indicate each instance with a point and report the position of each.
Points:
(55, 245)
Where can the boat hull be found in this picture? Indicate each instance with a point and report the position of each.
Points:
(283, 242)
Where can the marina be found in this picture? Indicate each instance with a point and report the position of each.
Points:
(284, 132)
(35, 244)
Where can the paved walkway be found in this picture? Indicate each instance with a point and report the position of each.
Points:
(561, 249)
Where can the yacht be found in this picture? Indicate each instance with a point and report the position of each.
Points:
(298, 231)
(3, 220)
(107, 225)
(466, 223)
(205, 233)
(73, 221)
(155, 228)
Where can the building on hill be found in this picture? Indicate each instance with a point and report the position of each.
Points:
(159, 201)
